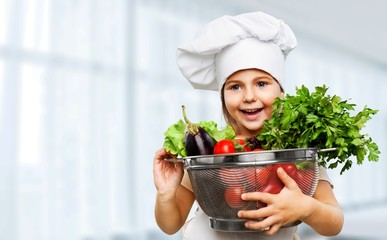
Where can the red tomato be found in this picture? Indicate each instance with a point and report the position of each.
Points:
(289, 168)
(262, 174)
(240, 145)
(259, 176)
(224, 146)
(273, 186)
(257, 150)
(232, 196)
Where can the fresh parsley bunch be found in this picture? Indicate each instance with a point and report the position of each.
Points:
(321, 121)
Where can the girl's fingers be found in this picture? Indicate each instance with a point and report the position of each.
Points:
(261, 224)
(159, 155)
(160, 152)
(180, 167)
(257, 225)
(272, 229)
(267, 225)
(255, 214)
(257, 196)
(286, 179)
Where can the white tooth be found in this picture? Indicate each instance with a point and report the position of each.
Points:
(249, 110)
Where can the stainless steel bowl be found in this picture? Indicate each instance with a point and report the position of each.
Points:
(219, 180)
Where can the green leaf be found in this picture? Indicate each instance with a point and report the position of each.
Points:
(217, 134)
(174, 138)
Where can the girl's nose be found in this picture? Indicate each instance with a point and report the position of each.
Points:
(250, 97)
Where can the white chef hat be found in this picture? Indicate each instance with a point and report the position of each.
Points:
(232, 43)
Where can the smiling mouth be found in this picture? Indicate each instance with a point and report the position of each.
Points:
(251, 111)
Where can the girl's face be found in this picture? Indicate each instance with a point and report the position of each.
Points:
(248, 97)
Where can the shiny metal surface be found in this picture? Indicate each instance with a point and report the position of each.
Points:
(250, 158)
(236, 225)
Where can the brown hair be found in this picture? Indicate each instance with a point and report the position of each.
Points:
(227, 117)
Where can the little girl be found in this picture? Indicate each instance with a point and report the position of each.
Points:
(243, 57)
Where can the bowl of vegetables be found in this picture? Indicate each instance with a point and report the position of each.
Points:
(219, 180)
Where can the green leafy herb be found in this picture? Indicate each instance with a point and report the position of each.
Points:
(321, 121)
(174, 136)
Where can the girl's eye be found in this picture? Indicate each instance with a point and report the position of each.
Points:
(261, 84)
(235, 87)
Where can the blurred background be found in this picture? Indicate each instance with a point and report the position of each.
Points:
(88, 87)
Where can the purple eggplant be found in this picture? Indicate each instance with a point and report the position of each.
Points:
(197, 140)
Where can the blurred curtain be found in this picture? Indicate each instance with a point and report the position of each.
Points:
(87, 89)
(64, 133)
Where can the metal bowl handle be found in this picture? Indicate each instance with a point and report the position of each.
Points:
(326, 150)
(175, 160)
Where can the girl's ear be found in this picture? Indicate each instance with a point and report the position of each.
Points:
(282, 94)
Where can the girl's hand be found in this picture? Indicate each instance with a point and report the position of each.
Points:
(167, 175)
(282, 209)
